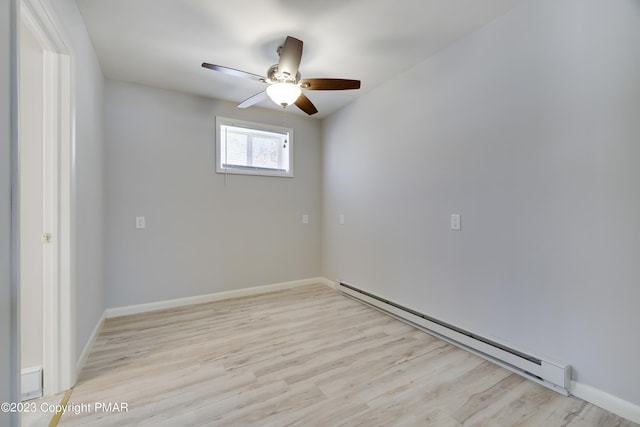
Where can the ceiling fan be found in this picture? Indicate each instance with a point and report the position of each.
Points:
(285, 85)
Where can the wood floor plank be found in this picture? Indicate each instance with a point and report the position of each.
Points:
(307, 356)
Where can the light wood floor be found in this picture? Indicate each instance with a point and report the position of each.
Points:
(307, 356)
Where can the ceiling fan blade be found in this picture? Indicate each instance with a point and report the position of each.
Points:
(253, 100)
(233, 72)
(306, 105)
(329, 84)
(290, 57)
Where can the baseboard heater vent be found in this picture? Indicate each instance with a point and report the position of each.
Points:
(554, 375)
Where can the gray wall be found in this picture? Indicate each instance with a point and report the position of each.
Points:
(89, 191)
(8, 288)
(528, 128)
(201, 236)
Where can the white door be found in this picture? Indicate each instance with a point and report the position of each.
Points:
(46, 164)
(31, 96)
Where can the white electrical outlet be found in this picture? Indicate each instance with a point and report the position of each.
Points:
(305, 219)
(341, 219)
(456, 222)
(140, 222)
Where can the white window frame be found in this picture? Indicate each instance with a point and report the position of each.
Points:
(248, 170)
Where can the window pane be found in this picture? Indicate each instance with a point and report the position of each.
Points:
(252, 148)
(236, 149)
(265, 152)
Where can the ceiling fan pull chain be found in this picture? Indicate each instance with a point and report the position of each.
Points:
(285, 125)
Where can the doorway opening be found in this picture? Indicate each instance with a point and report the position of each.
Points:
(46, 193)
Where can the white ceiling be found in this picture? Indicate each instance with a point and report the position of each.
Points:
(163, 42)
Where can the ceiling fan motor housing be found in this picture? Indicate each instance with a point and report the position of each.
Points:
(275, 76)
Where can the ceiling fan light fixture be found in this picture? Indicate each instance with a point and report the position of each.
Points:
(284, 94)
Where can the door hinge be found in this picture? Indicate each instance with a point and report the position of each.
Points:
(46, 238)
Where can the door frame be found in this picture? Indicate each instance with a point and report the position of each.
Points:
(59, 308)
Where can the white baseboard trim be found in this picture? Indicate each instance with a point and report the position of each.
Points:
(606, 401)
(31, 383)
(330, 283)
(218, 296)
(89, 345)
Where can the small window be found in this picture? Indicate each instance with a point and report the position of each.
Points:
(253, 148)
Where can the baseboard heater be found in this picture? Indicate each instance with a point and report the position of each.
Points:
(552, 374)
